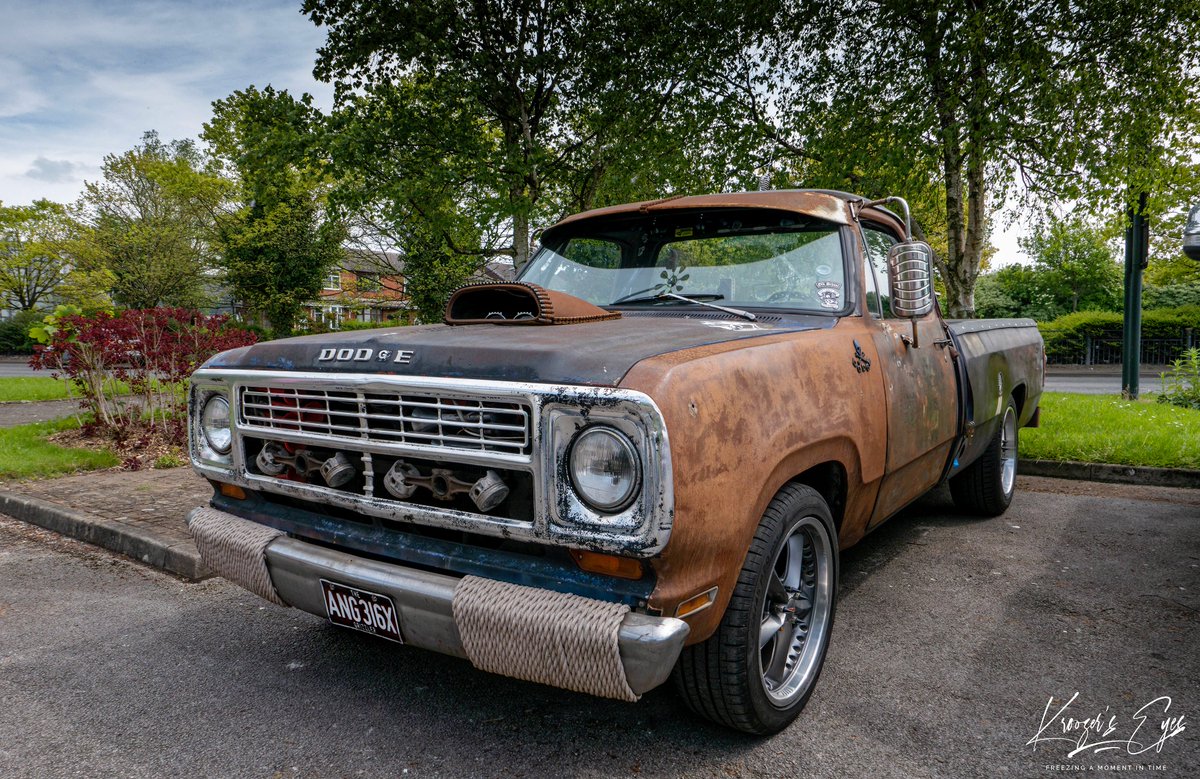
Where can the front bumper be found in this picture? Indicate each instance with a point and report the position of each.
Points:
(648, 646)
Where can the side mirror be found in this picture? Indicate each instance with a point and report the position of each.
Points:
(910, 275)
(1191, 234)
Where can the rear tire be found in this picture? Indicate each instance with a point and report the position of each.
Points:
(756, 672)
(986, 486)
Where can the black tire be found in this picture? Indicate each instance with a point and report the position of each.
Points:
(722, 678)
(986, 486)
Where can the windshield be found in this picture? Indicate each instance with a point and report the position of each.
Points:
(754, 258)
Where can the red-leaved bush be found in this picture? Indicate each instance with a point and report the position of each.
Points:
(151, 351)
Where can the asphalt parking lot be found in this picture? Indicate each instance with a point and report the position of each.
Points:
(952, 636)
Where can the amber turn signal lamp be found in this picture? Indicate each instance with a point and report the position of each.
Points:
(697, 604)
(233, 491)
(608, 564)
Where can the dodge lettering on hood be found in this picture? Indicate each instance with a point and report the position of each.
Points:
(639, 460)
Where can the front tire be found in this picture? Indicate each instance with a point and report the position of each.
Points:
(986, 486)
(756, 672)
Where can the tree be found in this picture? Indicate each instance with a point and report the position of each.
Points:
(1075, 265)
(462, 126)
(35, 256)
(149, 222)
(278, 243)
(1015, 291)
(989, 95)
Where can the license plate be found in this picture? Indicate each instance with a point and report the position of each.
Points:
(362, 610)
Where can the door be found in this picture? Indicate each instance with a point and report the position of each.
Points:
(919, 386)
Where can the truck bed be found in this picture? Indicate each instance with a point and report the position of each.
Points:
(997, 358)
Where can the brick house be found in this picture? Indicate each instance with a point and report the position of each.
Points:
(362, 290)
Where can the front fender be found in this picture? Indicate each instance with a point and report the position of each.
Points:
(744, 420)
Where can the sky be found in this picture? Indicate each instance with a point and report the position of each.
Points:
(79, 80)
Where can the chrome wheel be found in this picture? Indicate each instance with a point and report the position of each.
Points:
(756, 671)
(796, 611)
(1008, 451)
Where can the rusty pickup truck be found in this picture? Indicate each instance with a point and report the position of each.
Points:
(636, 461)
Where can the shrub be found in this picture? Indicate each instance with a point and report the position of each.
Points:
(153, 351)
(14, 333)
(258, 331)
(352, 324)
(1066, 337)
(1171, 296)
(1181, 384)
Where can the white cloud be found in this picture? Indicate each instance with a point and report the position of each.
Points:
(80, 80)
(54, 171)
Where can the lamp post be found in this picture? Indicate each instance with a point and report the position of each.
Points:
(1137, 242)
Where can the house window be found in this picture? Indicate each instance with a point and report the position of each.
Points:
(334, 280)
(368, 282)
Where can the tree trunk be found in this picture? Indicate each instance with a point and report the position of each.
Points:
(520, 239)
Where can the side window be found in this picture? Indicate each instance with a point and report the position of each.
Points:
(593, 252)
(876, 246)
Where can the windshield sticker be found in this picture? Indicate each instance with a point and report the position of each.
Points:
(683, 232)
(830, 294)
(673, 279)
(824, 270)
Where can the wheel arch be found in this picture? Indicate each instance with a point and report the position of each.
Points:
(829, 479)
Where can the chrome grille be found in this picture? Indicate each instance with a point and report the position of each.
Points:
(440, 420)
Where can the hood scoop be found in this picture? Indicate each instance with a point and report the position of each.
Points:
(519, 303)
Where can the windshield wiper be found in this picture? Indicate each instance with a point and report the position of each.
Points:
(694, 297)
(633, 298)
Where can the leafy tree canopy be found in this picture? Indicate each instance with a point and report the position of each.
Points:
(148, 223)
(462, 126)
(35, 252)
(1093, 99)
(278, 242)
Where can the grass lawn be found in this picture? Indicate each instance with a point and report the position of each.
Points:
(1106, 429)
(25, 452)
(32, 388)
(43, 388)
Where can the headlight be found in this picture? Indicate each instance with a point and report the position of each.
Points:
(214, 423)
(604, 468)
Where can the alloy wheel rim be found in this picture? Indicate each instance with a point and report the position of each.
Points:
(1008, 451)
(794, 627)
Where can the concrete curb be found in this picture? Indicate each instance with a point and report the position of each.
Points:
(1116, 474)
(169, 554)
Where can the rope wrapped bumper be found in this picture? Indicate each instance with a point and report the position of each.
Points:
(542, 636)
(235, 549)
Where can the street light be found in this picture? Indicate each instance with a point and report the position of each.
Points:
(1191, 234)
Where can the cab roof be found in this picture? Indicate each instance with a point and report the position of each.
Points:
(829, 205)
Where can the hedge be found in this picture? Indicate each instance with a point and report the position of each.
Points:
(1066, 337)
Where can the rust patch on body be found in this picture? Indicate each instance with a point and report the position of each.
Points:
(744, 420)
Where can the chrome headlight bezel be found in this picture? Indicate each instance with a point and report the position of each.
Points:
(200, 446)
(643, 523)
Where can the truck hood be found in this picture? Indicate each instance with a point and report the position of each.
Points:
(594, 353)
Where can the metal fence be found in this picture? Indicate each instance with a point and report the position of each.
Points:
(1107, 350)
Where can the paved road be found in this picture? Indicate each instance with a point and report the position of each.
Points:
(13, 413)
(1092, 384)
(952, 635)
(16, 367)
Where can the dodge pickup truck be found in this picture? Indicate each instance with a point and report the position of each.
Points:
(637, 461)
